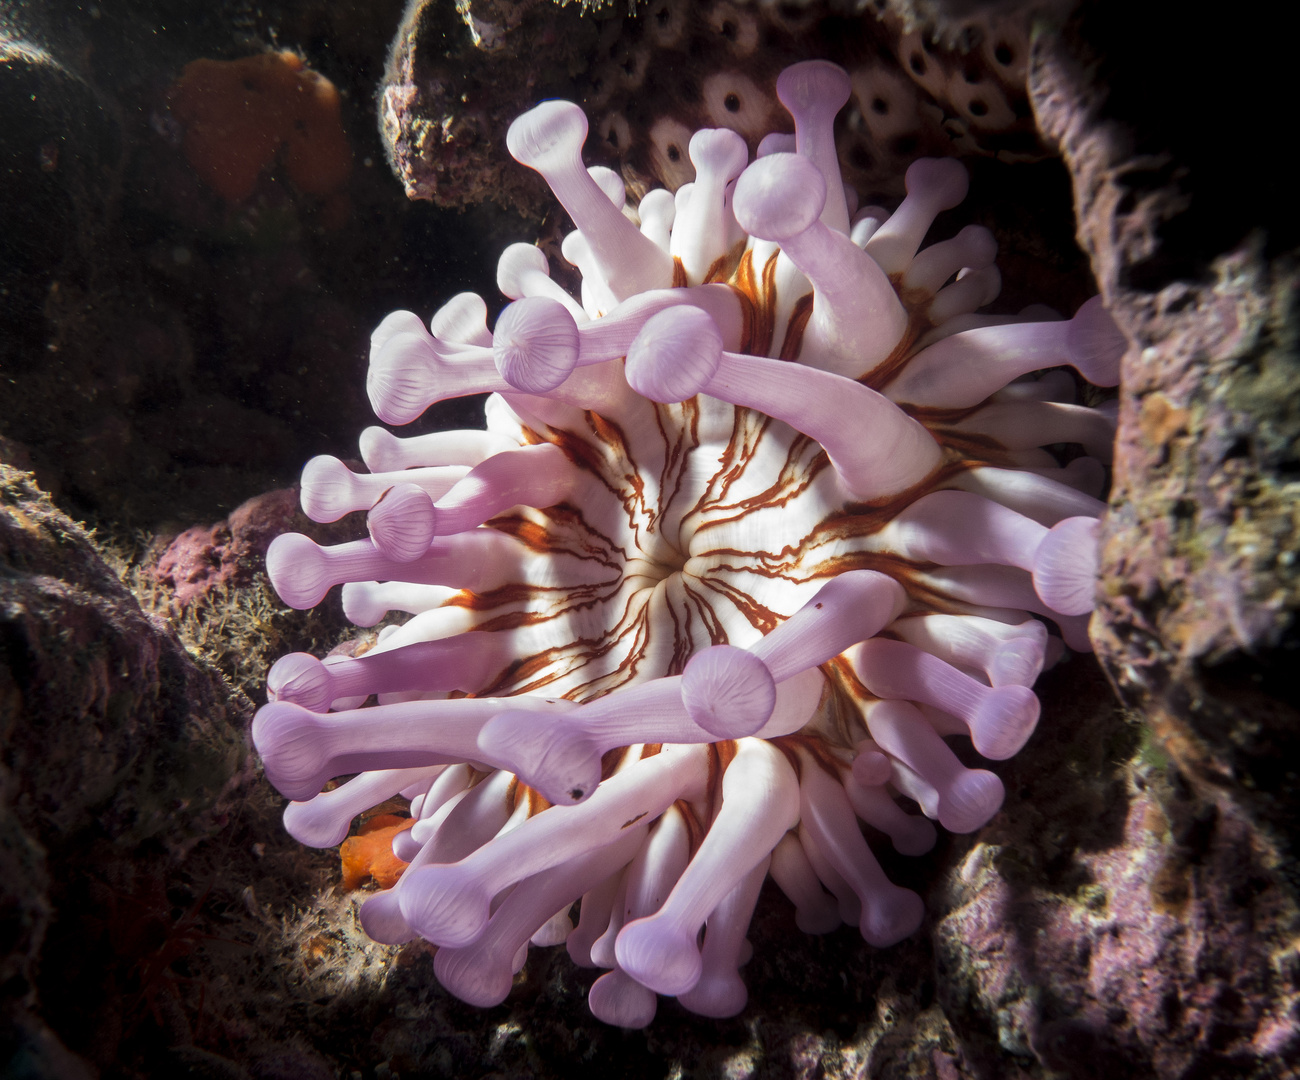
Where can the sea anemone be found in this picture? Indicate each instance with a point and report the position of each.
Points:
(754, 526)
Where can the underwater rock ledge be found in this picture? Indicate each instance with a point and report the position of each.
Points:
(1132, 911)
(1197, 624)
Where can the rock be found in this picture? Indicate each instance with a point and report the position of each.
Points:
(648, 79)
(449, 89)
(120, 750)
(1197, 622)
(36, 1053)
(112, 727)
(1113, 924)
(167, 352)
(231, 552)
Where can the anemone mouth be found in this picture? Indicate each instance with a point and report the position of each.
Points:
(654, 576)
(660, 558)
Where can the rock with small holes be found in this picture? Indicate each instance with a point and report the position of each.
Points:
(651, 78)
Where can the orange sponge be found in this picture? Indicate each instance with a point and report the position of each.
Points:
(239, 114)
(369, 854)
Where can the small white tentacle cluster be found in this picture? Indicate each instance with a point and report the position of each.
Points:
(754, 525)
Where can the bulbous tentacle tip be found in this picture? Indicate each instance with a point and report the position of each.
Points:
(561, 763)
(1003, 721)
(1018, 661)
(1095, 343)
(819, 920)
(381, 919)
(611, 183)
(523, 270)
(1065, 566)
(301, 679)
(970, 801)
(720, 151)
(727, 691)
(1074, 633)
(776, 142)
(618, 999)
(398, 381)
(444, 904)
(298, 570)
(554, 931)
(871, 768)
(674, 355)
(395, 322)
(472, 978)
(659, 955)
(402, 523)
(717, 995)
(289, 740)
(519, 264)
(380, 448)
(779, 196)
(405, 846)
(307, 823)
(462, 320)
(327, 485)
(535, 344)
(919, 837)
(890, 915)
(658, 210)
(812, 84)
(942, 182)
(360, 605)
(550, 132)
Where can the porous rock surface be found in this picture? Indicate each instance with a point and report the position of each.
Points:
(1116, 925)
(648, 77)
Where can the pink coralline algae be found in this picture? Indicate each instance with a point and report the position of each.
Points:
(755, 523)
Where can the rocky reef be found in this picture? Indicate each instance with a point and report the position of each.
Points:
(1132, 910)
(649, 76)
